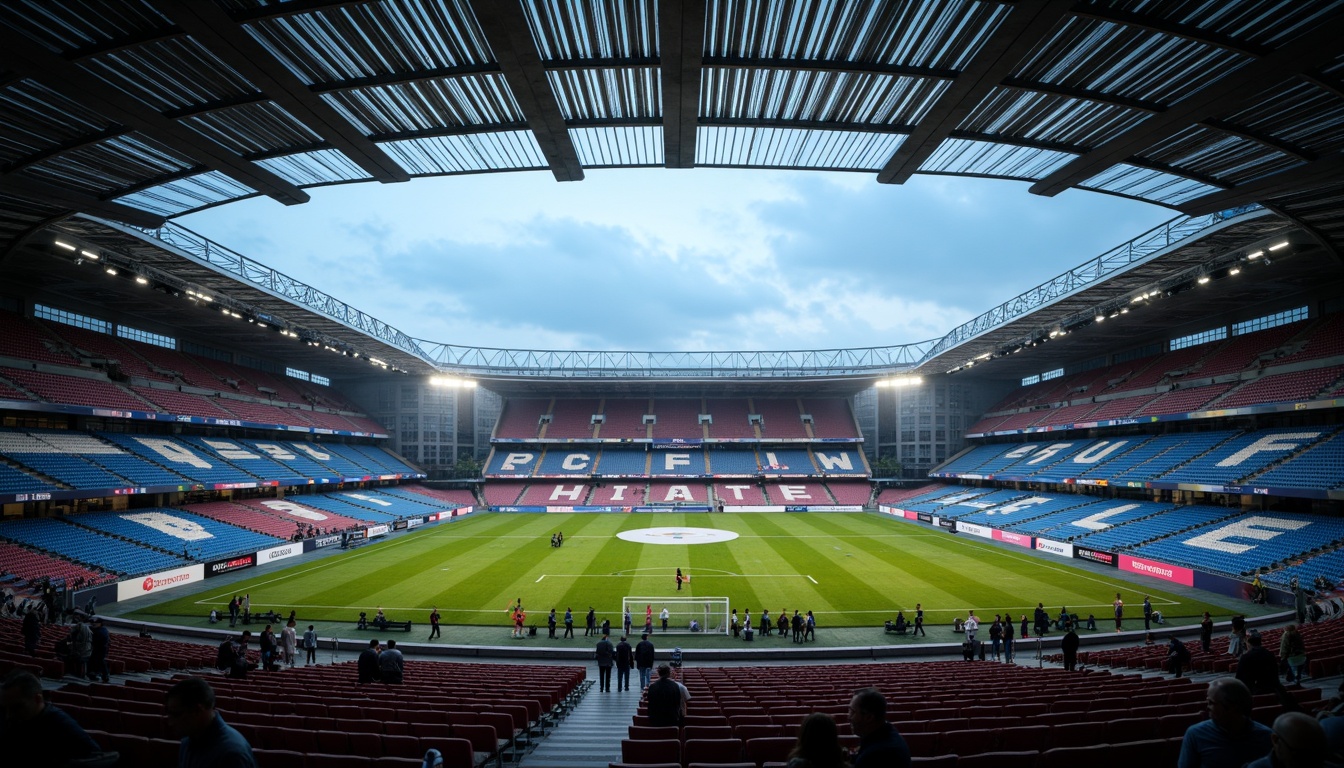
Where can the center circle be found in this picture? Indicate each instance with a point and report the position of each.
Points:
(679, 535)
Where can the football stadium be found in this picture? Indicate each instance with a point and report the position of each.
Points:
(1129, 476)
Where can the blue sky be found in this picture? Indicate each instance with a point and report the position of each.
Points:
(656, 259)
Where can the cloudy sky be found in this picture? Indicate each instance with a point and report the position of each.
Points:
(656, 259)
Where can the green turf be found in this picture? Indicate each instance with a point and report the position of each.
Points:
(852, 570)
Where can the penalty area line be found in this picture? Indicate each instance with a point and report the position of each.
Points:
(809, 578)
(539, 578)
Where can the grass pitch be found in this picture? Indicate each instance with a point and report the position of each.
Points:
(851, 570)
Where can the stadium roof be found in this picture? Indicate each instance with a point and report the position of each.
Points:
(139, 111)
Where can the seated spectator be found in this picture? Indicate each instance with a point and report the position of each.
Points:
(367, 665)
(34, 732)
(1229, 738)
(818, 744)
(207, 741)
(879, 742)
(1299, 742)
(391, 664)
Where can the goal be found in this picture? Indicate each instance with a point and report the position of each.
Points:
(710, 614)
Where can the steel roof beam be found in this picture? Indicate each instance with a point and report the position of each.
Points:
(1318, 173)
(1174, 29)
(1263, 139)
(293, 8)
(829, 65)
(78, 142)
(506, 30)
(43, 66)
(211, 27)
(681, 45)
(32, 189)
(1025, 27)
(1083, 94)
(1305, 53)
(401, 78)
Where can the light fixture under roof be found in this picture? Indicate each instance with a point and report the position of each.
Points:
(1279, 246)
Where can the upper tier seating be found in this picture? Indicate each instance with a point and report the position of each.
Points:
(786, 461)
(733, 493)
(25, 339)
(34, 566)
(629, 463)
(730, 419)
(678, 418)
(622, 419)
(1161, 454)
(831, 418)
(1151, 371)
(937, 499)
(87, 546)
(1012, 513)
(1327, 564)
(572, 419)
(16, 481)
(510, 460)
(102, 346)
(1284, 387)
(176, 530)
(375, 460)
(834, 460)
(10, 392)
(180, 458)
(255, 462)
(75, 390)
(1054, 515)
(1242, 351)
(173, 401)
(297, 459)
(678, 462)
(780, 419)
(227, 378)
(1320, 466)
(72, 469)
(1325, 338)
(1090, 519)
(733, 462)
(1183, 400)
(521, 418)
(568, 460)
(1243, 456)
(960, 507)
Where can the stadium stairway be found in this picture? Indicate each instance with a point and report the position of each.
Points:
(590, 737)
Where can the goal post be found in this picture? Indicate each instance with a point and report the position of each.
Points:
(709, 614)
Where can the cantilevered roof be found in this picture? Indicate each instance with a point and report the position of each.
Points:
(142, 110)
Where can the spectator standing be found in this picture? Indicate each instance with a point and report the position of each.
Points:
(34, 732)
(1023, 633)
(995, 636)
(569, 623)
(1008, 638)
(32, 632)
(797, 627)
(310, 645)
(1300, 603)
(268, 648)
(434, 623)
(880, 745)
(391, 664)
(1293, 653)
(207, 741)
(663, 616)
(81, 647)
(246, 608)
(233, 611)
(368, 663)
(1119, 609)
(919, 621)
(1069, 645)
(810, 627)
(625, 658)
(1178, 657)
(972, 624)
(644, 661)
(1147, 613)
(664, 699)
(1042, 620)
(818, 744)
(1206, 633)
(732, 623)
(1229, 738)
(1236, 644)
(765, 624)
(592, 622)
(1258, 668)
(550, 624)
(606, 656)
(102, 642)
(289, 643)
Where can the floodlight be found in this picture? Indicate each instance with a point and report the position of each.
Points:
(65, 245)
(1234, 270)
(1203, 279)
(1255, 255)
(1279, 246)
(141, 279)
(90, 255)
(111, 270)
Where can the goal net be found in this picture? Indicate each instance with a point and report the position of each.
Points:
(684, 615)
